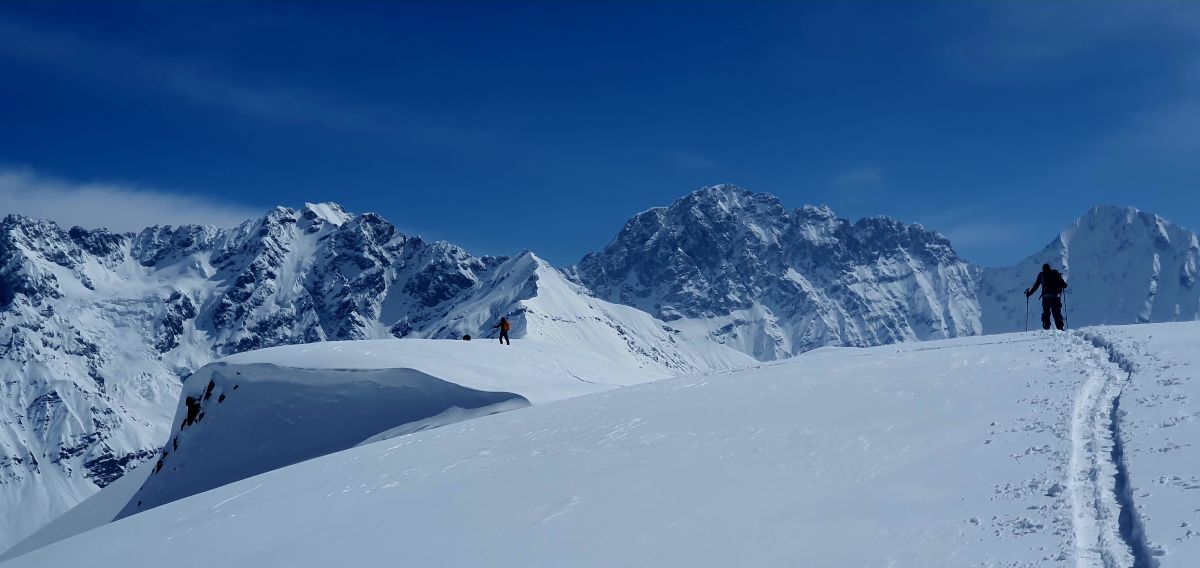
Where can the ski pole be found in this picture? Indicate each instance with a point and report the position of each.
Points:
(1066, 320)
(1026, 313)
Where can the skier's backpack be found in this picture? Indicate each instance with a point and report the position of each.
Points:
(1056, 283)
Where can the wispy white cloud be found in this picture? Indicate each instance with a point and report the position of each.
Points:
(114, 206)
(858, 178)
(690, 160)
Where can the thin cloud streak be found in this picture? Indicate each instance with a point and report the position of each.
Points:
(115, 207)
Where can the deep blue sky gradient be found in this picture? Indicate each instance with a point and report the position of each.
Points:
(506, 126)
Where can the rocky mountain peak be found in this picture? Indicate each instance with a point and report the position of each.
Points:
(776, 281)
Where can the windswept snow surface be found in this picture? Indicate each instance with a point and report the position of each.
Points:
(244, 420)
(274, 407)
(99, 509)
(1013, 450)
(260, 411)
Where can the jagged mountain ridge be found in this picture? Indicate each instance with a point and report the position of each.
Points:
(97, 329)
(742, 269)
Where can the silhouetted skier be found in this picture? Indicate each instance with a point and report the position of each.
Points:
(504, 327)
(1052, 284)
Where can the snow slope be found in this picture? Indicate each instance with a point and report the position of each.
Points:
(98, 509)
(274, 407)
(247, 419)
(1013, 450)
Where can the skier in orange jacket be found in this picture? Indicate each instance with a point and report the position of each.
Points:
(504, 327)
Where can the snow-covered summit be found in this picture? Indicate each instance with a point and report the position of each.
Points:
(328, 212)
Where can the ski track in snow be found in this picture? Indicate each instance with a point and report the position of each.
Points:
(1107, 529)
(218, 505)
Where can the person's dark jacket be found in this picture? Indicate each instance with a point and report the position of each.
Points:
(1051, 282)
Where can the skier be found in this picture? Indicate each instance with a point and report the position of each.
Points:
(504, 327)
(1052, 285)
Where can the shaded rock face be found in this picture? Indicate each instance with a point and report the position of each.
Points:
(774, 282)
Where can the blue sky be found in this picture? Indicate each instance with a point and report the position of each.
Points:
(506, 126)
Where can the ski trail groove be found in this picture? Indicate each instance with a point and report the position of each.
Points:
(1108, 530)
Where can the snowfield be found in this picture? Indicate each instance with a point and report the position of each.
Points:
(274, 407)
(1037, 449)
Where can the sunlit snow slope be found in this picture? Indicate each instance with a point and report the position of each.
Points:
(274, 407)
(1023, 449)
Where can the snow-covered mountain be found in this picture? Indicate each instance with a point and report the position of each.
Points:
(740, 268)
(1124, 266)
(97, 328)
(744, 270)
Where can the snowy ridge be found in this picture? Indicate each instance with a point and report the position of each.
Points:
(824, 459)
(347, 393)
(236, 421)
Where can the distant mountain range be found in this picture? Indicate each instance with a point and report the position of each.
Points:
(97, 329)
